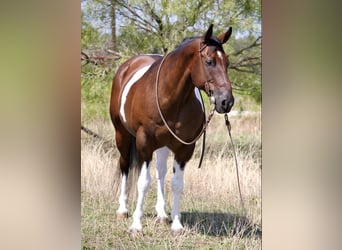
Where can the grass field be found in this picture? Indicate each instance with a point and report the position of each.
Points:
(210, 205)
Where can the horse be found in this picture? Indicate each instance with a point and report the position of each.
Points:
(155, 105)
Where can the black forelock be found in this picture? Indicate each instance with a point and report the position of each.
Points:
(214, 41)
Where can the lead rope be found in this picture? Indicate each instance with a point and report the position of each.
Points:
(236, 163)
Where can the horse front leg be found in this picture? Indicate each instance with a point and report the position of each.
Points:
(177, 185)
(143, 185)
(162, 155)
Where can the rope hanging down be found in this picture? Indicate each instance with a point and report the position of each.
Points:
(90, 132)
(236, 163)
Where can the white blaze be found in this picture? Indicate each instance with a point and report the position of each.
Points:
(128, 86)
(219, 53)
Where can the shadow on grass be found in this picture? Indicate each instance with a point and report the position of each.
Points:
(221, 224)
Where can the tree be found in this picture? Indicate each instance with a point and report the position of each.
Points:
(113, 23)
(150, 26)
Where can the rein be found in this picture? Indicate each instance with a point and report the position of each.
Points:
(236, 163)
(205, 124)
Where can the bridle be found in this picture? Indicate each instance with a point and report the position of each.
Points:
(205, 122)
(202, 46)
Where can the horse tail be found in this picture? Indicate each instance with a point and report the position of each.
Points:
(133, 160)
(134, 169)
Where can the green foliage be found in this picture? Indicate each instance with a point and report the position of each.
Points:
(89, 35)
(95, 92)
(151, 26)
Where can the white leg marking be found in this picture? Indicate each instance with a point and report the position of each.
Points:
(143, 185)
(123, 196)
(162, 155)
(199, 98)
(177, 188)
(128, 86)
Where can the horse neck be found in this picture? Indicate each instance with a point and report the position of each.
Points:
(178, 86)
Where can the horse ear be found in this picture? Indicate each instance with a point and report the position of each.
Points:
(225, 36)
(209, 33)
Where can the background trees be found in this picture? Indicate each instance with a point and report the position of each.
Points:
(114, 30)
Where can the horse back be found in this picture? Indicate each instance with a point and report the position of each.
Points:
(123, 75)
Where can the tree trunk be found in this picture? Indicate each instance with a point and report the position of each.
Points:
(113, 23)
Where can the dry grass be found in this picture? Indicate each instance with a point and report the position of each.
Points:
(211, 211)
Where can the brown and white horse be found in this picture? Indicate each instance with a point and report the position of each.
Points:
(155, 99)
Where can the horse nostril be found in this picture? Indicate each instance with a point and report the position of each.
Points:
(227, 104)
(224, 104)
(231, 103)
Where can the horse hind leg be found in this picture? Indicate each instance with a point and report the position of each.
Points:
(122, 211)
(162, 155)
(142, 186)
(144, 157)
(124, 143)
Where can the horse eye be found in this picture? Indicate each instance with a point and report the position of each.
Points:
(209, 62)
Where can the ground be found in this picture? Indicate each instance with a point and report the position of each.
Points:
(210, 205)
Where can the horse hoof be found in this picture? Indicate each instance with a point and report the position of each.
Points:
(136, 233)
(163, 220)
(122, 215)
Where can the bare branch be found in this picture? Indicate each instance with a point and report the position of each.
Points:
(154, 16)
(237, 87)
(137, 18)
(254, 44)
(248, 65)
(244, 70)
(98, 59)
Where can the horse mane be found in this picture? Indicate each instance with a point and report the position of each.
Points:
(186, 40)
(213, 41)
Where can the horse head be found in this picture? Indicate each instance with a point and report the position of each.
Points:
(209, 72)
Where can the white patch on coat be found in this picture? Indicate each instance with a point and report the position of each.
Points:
(128, 86)
(198, 96)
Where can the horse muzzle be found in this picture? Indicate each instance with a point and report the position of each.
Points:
(224, 103)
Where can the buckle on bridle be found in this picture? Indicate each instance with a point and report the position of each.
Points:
(207, 87)
(209, 91)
